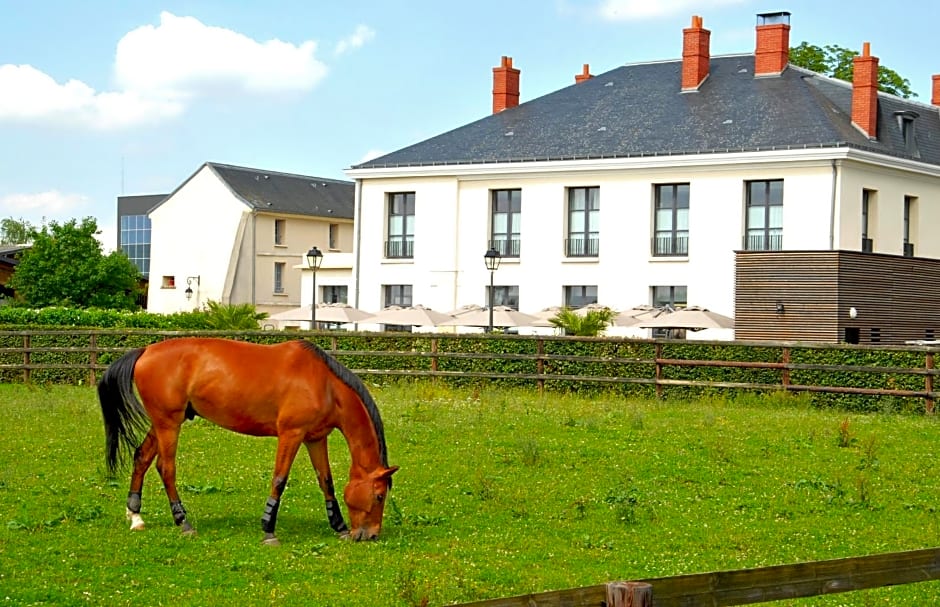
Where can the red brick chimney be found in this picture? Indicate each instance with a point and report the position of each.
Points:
(865, 92)
(772, 53)
(505, 86)
(695, 54)
(584, 75)
(935, 99)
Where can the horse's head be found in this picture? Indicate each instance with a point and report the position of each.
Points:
(365, 500)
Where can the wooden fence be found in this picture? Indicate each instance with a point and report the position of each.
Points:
(434, 356)
(747, 586)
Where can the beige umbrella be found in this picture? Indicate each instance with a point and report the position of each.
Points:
(692, 318)
(503, 316)
(592, 307)
(465, 309)
(547, 313)
(416, 316)
(636, 315)
(326, 312)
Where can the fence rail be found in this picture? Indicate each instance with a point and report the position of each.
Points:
(656, 369)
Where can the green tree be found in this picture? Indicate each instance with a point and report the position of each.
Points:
(589, 325)
(233, 316)
(66, 267)
(836, 61)
(15, 231)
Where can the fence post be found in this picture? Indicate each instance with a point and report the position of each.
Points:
(629, 594)
(540, 364)
(92, 375)
(26, 342)
(659, 370)
(785, 376)
(928, 382)
(434, 354)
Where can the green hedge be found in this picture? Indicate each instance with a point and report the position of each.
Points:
(611, 357)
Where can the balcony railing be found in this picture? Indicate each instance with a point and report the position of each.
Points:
(671, 246)
(763, 242)
(582, 247)
(507, 247)
(399, 249)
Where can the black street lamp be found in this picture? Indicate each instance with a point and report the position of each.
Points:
(491, 258)
(314, 259)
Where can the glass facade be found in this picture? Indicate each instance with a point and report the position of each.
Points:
(134, 241)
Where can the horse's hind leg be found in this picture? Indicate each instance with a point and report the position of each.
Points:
(167, 441)
(319, 457)
(143, 457)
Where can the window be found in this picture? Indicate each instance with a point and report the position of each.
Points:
(584, 209)
(504, 296)
(671, 232)
(280, 231)
(868, 198)
(580, 296)
(909, 205)
(906, 120)
(334, 236)
(335, 294)
(168, 282)
(279, 276)
(506, 222)
(401, 225)
(764, 216)
(134, 241)
(674, 297)
(398, 295)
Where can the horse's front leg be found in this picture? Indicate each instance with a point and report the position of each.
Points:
(287, 445)
(321, 463)
(143, 457)
(167, 441)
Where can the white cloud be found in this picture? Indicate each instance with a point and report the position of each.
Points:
(636, 10)
(159, 70)
(182, 56)
(363, 34)
(34, 208)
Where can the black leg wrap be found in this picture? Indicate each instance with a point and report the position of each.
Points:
(335, 515)
(179, 513)
(269, 518)
(133, 501)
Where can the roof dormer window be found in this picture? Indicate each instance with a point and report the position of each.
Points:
(906, 120)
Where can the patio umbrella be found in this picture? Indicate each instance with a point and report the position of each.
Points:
(465, 309)
(591, 307)
(416, 316)
(503, 316)
(636, 315)
(326, 312)
(692, 318)
(548, 313)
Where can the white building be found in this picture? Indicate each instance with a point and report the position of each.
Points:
(639, 185)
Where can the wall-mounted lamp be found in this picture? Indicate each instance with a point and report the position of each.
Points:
(189, 289)
(779, 307)
(853, 313)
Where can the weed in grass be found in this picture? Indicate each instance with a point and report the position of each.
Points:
(625, 504)
(530, 453)
(484, 487)
(869, 453)
(636, 420)
(846, 436)
(410, 589)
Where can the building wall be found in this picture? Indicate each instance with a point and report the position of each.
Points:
(452, 232)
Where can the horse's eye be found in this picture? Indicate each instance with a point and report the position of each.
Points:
(380, 498)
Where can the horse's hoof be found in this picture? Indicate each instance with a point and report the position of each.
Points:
(189, 532)
(270, 541)
(345, 536)
(139, 526)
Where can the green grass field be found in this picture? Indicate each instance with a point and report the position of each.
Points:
(499, 493)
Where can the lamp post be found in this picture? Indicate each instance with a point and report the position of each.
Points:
(491, 258)
(314, 259)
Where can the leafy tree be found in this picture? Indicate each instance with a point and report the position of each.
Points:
(233, 316)
(66, 267)
(15, 231)
(836, 61)
(588, 325)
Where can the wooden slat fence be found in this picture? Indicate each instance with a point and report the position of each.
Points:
(542, 376)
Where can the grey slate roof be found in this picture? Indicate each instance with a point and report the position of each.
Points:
(139, 204)
(639, 110)
(289, 193)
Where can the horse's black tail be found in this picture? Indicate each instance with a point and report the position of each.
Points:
(124, 416)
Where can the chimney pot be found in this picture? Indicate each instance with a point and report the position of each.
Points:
(695, 54)
(935, 98)
(584, 75)
(865, 92)
(505, 86)
(772, 53)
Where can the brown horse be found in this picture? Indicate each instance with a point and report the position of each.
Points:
(294, 391)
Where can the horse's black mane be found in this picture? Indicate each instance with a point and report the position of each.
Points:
(353, 381)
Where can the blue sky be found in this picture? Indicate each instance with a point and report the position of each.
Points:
(104, 98)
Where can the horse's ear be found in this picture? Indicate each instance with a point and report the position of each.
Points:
(387, 473)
